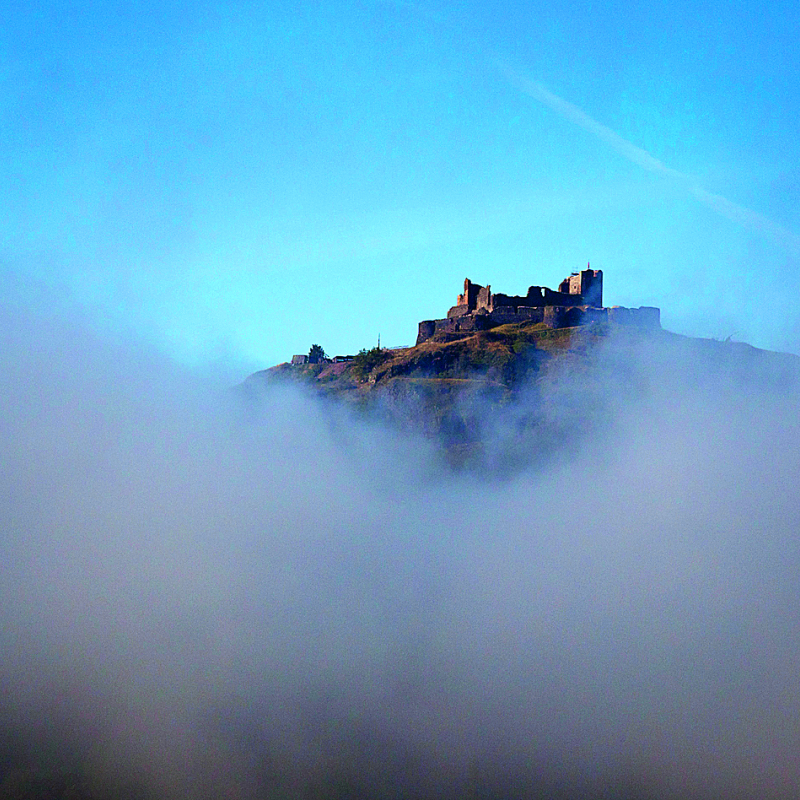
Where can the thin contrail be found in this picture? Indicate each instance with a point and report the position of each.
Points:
(721, 205)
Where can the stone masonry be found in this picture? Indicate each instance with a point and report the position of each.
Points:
(578, 301)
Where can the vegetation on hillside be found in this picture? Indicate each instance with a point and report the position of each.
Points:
(316, 354)
(497, 391)
(443, 388)
(367, 360)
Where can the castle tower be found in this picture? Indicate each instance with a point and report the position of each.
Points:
(591, 287)
(470, 296)
(588, 284)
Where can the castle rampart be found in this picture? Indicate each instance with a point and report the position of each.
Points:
(578, 301)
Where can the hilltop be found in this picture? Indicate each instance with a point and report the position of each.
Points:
(496, 360)
(507, 379)
(488, 395)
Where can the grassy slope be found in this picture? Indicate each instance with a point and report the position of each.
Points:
(445, 389)
(499, 357)
(457, 391)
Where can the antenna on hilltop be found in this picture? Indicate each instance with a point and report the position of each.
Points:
(379, 341)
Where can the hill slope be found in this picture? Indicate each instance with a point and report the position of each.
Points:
(486, 397)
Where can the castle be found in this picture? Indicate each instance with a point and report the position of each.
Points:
(578, 301)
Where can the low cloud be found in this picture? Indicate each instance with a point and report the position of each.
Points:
(204, 597)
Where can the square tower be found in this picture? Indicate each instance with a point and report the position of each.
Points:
(588, 284)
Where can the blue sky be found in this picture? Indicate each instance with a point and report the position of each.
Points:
(238, 180)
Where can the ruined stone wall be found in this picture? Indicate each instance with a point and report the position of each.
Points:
(591, 314)
(552, 298)
(554, 316)
(507, 314)
(537, 296)
(570, 316)
(458, 311)
(465, 324)
(583, 288)
(485, 299)
(470, 296)
(646, 316)
(468, 324)
(506, 301)
(502, 315)
(578, 302)
(426, 329)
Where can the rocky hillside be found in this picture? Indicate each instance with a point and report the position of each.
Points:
(525, 382)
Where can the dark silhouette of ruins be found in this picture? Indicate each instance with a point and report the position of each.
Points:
(578, 301)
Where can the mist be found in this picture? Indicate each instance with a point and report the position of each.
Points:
(203, 597)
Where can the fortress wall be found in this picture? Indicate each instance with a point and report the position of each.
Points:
(458, 311)
(552, 298)
(591, 314)
(477, 322)
(531, 313)
(645, 316)
(619, 315)
(445, 326)
(648, 315)
(426, 329)
(460, 321)
(484, 299)
(508, 314)
(535, 296)
(504, 315)
(554, 316)
(468, 323)
(508, 301)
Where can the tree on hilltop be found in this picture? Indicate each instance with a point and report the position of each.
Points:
(367, 360)
(316, 354)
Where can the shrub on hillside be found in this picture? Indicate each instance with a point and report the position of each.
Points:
(367, 360)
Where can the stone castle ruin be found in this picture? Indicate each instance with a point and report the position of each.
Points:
(578, 301)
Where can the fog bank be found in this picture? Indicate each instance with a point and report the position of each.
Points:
(200, 600)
